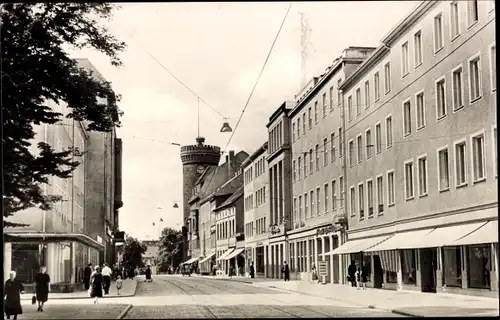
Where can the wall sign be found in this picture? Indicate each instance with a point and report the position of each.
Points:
(325, 230)
(275, 230)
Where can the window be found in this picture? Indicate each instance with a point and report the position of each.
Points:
(380, 194)
(341, 143)
(405, 60)
(387, 69)
(440, 98)
(299, 168)
(294, 171)
(409, 180)
(460, 163)
(311, 198)
(454, 20)
(353, 201)
(378, 137)
(309, 113)
(327, 197)
(332, 146)
(443, 169)
(478, 158)
(457, 89)
(306, 205)
(495, 158)
(311, 161)
(390, 188)
(475, 78)
(406, 118)
(318, 200)
(294, 209)
(316, 151)
(422, 176)
(493, 66)
(367, 94)
(369, 190)
(452, 267)
(304, 123)
(349, 108)
(316, 111)
(351, 153)
(334, 195)
(300, 208)
(358, 101)
(472, 12)
(341, 191)
(360, 148)
(293, 132)
(325, 151)
(305, 164)
(479, 266)
(331, 98)
(339, 95)
(388, 132)
(298, 128)
(324, 104)
(409, 266)
(376, 84)
(438, 33)
(417, 44)
(361, 199)
(369, 145)
(420, 110)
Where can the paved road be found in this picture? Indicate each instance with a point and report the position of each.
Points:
(177, 297)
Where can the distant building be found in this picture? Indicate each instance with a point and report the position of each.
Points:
(150, 257)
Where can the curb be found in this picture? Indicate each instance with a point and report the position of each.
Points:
(124, 312)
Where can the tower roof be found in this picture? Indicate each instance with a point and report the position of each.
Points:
(200, 153)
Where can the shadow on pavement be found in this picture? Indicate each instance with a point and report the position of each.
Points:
(87, 311)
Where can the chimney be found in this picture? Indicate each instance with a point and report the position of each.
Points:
(230, 160)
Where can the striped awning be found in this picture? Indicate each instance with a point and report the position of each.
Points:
(223, 257)
(388, 259)
(190, 261)
(488, 233)
(210, 255)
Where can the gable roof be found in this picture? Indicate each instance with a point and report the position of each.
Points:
(232, 199)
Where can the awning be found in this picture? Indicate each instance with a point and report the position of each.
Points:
(359, 245)
(210, 255)
(402, 240)
(223, 257)
(445, 236)
(488, 233)
(52, 237)
(190, 261)
(234, 253)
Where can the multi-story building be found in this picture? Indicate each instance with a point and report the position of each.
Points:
(63, 239)
(150, 257)
(420, 134)
(316, 167)
(279, 165)
(256, 207)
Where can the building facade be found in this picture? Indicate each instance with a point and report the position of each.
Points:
(420, 136)
(317, 168)
(256, 208)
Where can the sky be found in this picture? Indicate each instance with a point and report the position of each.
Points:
(217, 50)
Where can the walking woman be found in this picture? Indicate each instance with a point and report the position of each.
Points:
(42, 287)
(96, 283)
(13, 289)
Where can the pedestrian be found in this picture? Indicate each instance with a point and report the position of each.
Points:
(286, 271)
(13, 289)
(106, 275)
(358, 276)
(230, 272)
(42, 287)
(252, 270)
(351, 274)
(314, 274)
(148, 274)
(119, 284)
(364, 275)
(86, 276)
(96, 283)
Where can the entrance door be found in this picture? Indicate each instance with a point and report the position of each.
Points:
(428, 269)
(378, 272)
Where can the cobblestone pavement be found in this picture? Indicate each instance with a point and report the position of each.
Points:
(74, 311)
(192, 297)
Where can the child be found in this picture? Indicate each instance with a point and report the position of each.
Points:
(357, 276)
(119, 284)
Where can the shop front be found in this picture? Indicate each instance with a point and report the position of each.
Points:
(207, 263)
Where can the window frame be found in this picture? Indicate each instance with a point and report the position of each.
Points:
(483, 160)
(475, 56)
(424, 119)
(491, 62)
(361, 198)
(403, 118)
(387, 83)
(326, 191)
(403, 67)
(349, 108)
(334, 195)
(457, 67)
(405, 163)
(494, 151)
(372, 198)
(359, 149)
(426, 173)
(332, 147)
(351, 158)
(352, 211)
(459, 29)
(379, 213)
(473, 23)
(387, 146)
(388, 172)
(445, 100)
(420, 56)
(330, 91)
(359, 104)
(376, 88)
(326, 158)
(377, 150)
(437, 50)
(466, 164)
(368, 152)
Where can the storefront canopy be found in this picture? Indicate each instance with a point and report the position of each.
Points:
(445, 236)
(234, 253)
(359, 245)
(52, 237)
(488, 233)
(223, 257)
(402, 240)
(210, 255)
(190, 261)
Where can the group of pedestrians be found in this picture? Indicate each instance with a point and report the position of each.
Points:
(98, 281)
(357, 276)
(13, 289)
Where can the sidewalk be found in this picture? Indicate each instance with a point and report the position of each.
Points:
(128, 290)
(408, 303)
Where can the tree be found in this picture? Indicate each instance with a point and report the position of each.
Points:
(133, 250)
(36, 69)
(170, 248)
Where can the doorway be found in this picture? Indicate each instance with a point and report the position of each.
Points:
(428, 269)
(378, 272)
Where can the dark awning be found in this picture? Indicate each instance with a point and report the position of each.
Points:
(52, 237)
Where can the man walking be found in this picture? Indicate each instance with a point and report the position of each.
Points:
(106, 275)
(286, 271)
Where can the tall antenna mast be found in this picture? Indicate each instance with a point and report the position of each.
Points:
(304, 45)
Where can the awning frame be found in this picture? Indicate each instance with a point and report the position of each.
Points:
(235, 253)
(210, 255)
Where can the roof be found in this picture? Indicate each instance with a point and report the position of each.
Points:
(283, 108)
(227, 188)
(232, 199)
(253, 156)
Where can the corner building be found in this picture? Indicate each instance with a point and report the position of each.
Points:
(421, 153)
(316, 172)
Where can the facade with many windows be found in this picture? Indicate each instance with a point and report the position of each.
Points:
(422, 160)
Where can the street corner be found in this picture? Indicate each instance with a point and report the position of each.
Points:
(76, 311)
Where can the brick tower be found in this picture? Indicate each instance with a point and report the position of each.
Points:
(195, 159)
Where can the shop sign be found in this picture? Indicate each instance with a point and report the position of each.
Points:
(259, 243)
(99, 239)
(325, 230)
(322, 269)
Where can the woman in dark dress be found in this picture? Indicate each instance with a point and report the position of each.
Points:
(86, 276)
(148, 274)
(42, 287)
(97, 282)
(13, 289)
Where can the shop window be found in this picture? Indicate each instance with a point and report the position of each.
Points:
(479, 266)
(392, 276)
(409, 266)
(452, 267)
(367, 266)
(25, 261)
